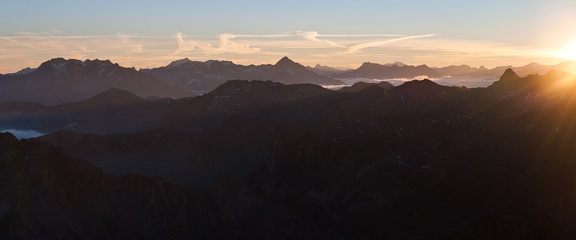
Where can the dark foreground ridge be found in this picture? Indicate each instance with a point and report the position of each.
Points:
(264, 160)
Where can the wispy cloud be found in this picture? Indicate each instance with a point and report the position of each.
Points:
(29, 49)
(355, 48)
(313, 36)
(133, 46)
(226, 45)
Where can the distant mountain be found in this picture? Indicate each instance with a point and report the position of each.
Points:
(23, 71)
(467, 71)
(203, 77)
(535, 68)
(287, 71)
(454, 70)
(327, 71)
(60, 80)
(532, 68)
(378, 71)
(200, 77)
(399, 64)
(508, 75)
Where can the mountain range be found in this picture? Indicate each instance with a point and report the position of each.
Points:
(268, 160)
(203, 77)
(62, 81)
(378, 71)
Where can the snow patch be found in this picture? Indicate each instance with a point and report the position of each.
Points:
(58, 65)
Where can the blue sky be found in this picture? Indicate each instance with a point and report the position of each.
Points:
(336, 33)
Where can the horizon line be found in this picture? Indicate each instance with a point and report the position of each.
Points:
(312, 66)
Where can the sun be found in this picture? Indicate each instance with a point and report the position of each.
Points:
(569, 51)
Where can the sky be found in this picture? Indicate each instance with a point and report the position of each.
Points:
(145, 34)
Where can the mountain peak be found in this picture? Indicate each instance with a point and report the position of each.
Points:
(425, 84)
(23, 71)
(115, 91)
(178, 63)
(508, 75)
(558, 74)
(58, 64)
(360, 86)
(99, 62)
(367, 64)
(285, 61)
(115, 96)
(8, 139)
(399, 64)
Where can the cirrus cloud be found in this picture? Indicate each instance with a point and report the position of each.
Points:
(29, 49)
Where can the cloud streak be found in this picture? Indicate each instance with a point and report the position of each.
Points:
(226, 45)
(308, 47)
(313, 36)
(355, 48)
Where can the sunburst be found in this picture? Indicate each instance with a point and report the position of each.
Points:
(569, 51)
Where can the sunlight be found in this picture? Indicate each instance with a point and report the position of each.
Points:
(569, 51)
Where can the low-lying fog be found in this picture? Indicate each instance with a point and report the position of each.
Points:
(469, 82)
(20, 134)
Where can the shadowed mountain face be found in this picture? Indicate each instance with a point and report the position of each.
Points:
(60, 80)
(47, 194)
(203, 77)
(359, 86)
(111, 111)
(306, 162)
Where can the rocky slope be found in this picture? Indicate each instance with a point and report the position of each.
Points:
(46, 194)
(300, 161)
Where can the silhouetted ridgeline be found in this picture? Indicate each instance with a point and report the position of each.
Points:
(63, 81)
(264, 160)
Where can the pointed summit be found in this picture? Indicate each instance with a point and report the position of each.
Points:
(285, 62)
(509, 75)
